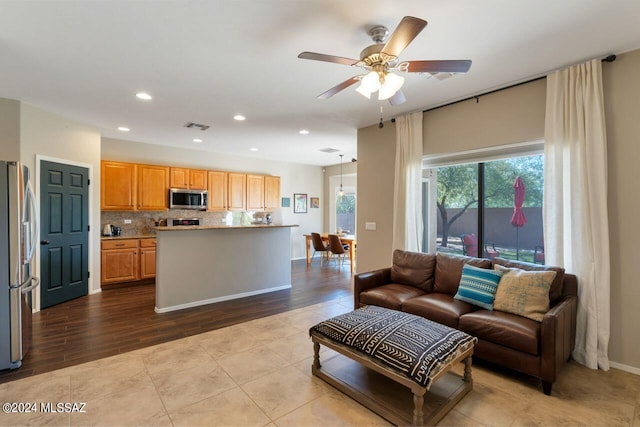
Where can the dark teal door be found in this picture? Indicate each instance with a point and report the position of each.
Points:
(64, 235)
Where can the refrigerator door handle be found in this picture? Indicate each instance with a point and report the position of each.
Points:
(35, 282)
(31, 200)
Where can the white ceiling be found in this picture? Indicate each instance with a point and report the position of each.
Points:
(204, 61)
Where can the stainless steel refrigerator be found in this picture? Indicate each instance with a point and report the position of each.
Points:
(18, 237)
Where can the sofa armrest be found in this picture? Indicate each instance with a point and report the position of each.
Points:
(369, 280)
(557, 337)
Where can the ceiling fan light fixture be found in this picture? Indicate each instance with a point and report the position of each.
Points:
(392, 84)
(369, 84)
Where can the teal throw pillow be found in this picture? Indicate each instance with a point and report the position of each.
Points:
(478, 286)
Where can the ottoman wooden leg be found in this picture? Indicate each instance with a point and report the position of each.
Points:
(316, 355)
(418, 415)
(467, 370)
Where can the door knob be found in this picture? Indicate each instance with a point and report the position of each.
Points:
(44, 242)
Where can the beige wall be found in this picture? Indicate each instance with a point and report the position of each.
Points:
(517, 115)
(621, 80)
(294, 178)
(57, 138)
(9, 129)
(500, 118)
(376, 159)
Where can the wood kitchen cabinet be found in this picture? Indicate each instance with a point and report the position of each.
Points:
(128, 260)
(118, 186)
(179, 178)
(120, 261)
(192, 179)
(255, 192)
(147, 258)
(197, 179)
(217, 191)
(271, 192)
(236, 191)
(153, 188)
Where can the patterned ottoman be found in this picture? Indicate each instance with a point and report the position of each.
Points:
(388, 351)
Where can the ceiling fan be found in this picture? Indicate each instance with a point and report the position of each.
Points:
(381, 59)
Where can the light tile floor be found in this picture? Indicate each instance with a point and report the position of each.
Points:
(259, 374)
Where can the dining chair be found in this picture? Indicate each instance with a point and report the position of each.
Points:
(319, 246)
(338, 248)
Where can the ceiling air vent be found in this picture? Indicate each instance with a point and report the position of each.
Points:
(329, 150)
(197, 126)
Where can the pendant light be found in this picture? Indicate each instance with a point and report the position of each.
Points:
(341, 192)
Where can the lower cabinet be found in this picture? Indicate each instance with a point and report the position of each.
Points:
(147, 258)
(128, 260)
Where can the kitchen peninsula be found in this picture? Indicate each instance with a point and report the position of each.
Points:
(198, 265)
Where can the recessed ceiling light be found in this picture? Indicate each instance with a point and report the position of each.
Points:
(123, 129)
(239, 117)
(197, 140)
(253, 149)
(304, 132)
(144, 96)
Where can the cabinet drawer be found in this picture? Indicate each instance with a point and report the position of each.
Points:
(147, 243)
(120, 244)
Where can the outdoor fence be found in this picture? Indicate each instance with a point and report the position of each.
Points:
(498, 228)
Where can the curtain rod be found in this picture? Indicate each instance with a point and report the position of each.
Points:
(609, 58)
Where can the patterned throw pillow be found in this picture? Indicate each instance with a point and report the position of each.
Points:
(525, 293)
(478, 286)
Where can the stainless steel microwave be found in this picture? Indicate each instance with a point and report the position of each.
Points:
(188, 199)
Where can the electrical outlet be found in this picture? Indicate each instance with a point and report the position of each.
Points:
(127, 221)
(371, 226)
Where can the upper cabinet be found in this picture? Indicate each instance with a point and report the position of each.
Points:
(271, 192)
(255, 192)
(129, 187)
(118, 186)
(236, 192)
(193, 179)
(179, 178)
(217, 191)
(197, 179)
(153, 186)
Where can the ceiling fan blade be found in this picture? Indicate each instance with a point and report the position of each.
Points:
(345, 84)
(404, 34)
(397, 99)
(447, 66)
(327, 58)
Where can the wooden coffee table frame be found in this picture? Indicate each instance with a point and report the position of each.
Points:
(451, 387)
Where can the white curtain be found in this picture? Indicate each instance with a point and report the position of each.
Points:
(407, 196)
(576, 232)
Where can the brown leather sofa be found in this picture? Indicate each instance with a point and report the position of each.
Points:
(425, 284)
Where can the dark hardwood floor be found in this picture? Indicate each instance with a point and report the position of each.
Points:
(119, 320)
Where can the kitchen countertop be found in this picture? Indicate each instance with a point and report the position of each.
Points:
(220, 227)
(134, 236)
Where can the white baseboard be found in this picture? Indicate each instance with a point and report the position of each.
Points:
(95, 291)
(626, 368)
(295, 259)
(219, 299)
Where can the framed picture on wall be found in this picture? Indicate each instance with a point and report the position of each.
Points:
(315, 202)
(299, 203)
(286, 202)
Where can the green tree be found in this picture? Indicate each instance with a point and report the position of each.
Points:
(458, 186)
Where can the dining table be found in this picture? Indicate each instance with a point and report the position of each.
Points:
(347, 239)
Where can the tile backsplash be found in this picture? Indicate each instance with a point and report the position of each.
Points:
(142, 223)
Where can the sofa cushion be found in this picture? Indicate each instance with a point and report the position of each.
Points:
(449, 271)
(478, 286)
(389, 296)
(506, 329)
(441, 308)
(413, 268)
(555, 292)
(525, 293)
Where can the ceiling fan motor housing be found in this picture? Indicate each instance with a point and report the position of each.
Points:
(379, 33)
